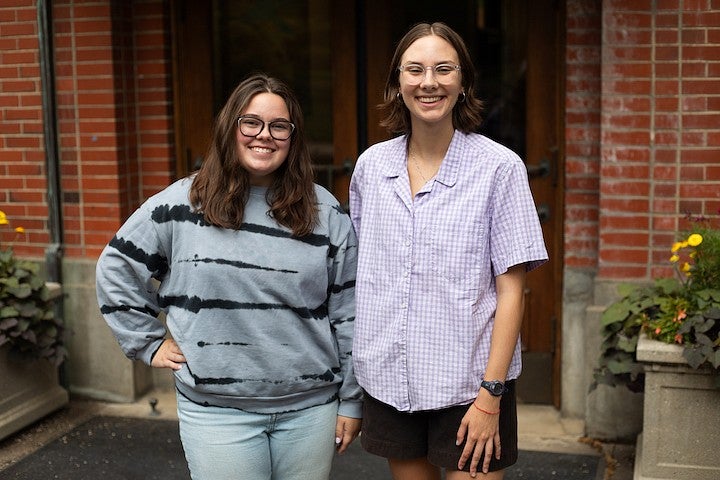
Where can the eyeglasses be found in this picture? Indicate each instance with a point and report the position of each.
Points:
(415, 72)
(252, 126)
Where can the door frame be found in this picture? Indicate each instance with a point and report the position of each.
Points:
(362, 48)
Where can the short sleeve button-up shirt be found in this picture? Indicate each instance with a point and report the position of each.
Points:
(425, 287)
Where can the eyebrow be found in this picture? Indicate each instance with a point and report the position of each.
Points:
(255, 115)
(438, 63)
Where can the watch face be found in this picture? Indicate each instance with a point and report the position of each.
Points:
(495, 388)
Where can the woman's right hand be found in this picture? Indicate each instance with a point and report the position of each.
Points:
(168, 356)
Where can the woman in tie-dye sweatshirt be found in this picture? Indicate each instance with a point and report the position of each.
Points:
(253, 266)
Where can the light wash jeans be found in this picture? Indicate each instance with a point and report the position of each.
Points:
(230, 444)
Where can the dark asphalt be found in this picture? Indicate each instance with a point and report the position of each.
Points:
(115, 448)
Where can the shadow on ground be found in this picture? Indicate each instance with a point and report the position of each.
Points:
(115, 448)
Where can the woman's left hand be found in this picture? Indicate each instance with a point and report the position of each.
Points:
(480, 431)
(346, 430)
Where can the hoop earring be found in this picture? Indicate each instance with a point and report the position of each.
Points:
(398, 97)
(464, 96)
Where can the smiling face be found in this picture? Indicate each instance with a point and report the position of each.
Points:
(431, 98)
(262, 155)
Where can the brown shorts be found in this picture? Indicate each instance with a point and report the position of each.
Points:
(390, 433)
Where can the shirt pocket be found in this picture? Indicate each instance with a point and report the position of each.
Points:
(459, 253)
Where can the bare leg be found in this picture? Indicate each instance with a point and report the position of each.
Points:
(458, 475)
(413, 469)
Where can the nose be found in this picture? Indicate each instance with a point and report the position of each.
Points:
(429, 71)
(264, 131)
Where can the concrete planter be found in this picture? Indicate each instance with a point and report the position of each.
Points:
(681, 417)
(28, 390)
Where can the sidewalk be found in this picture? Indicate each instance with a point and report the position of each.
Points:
(540, 430)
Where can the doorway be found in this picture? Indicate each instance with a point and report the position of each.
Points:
(335, 56)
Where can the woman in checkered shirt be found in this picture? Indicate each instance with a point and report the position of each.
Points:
(447, 229)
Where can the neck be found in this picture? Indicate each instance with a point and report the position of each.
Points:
(430, 145)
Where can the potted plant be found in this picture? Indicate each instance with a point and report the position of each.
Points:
(31, 342)
(664, 339)
(683, 310)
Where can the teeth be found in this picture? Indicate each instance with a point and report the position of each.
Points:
(261, 150)
(429, 99)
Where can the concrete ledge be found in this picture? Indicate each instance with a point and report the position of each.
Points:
(33, 407)
(653, 351)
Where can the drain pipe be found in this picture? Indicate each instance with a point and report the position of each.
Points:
(53, 252)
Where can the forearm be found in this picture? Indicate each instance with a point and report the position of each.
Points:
(506, 328)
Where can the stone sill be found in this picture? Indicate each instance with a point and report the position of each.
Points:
(653, 351)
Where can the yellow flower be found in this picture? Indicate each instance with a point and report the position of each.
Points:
(686, 267)
(676, 246)
(674, 258)
(3, 218)
(694, 240)
(19, 229)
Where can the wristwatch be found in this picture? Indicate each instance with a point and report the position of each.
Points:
(495, 387)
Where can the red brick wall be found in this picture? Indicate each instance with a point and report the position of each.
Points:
(22, 160)
(660, 143)
(642, 123)
(113, 92)
(582, 133)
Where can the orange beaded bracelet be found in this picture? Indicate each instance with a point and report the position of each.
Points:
(485, 411)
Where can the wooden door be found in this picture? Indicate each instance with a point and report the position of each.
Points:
(516, 46)
(340, 52)
(541, 331)
(191, 29)
(310, 45)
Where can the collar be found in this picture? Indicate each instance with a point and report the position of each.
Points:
(449, 168)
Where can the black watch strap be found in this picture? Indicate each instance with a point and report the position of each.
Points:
(495, 387)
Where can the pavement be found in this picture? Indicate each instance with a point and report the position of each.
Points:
(543, 437)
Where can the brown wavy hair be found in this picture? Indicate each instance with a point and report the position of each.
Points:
(466, 114)
(221, 187)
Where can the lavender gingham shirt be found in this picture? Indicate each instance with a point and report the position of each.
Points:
(425, 286)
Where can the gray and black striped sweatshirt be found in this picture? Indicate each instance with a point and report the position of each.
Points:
(264, 319)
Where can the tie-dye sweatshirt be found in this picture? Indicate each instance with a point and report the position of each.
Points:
(264, 319)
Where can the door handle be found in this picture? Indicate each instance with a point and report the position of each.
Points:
(540, 170)
(543, 211)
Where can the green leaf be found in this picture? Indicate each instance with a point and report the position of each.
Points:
(617, 312)
(694, 357)
(620, 366)
(6, 312)
(627, 289)
(627, 344)
(715, 359)
(20, 291)
(667, 285)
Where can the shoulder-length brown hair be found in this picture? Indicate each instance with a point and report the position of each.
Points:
(466, 114)
(221, 186)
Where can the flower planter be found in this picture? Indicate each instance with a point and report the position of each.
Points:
(681, 424)
(28, 390)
